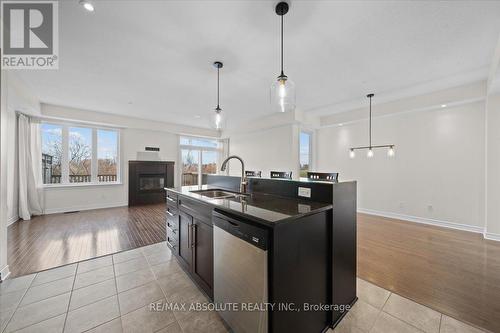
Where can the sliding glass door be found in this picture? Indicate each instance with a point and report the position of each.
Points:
(199, 158)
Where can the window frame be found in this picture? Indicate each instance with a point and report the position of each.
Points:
(311, 138)
(219, 150)
(65, 126)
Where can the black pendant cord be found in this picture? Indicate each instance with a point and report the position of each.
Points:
(218, 69)
(370, 121)
(282, 74)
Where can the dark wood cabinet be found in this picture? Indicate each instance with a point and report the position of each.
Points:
(184, 241)
(203, 254)
(172, 228)
(190, 237)
(311, 259)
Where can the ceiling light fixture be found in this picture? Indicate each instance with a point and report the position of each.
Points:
(87, 5)
(370, 147)
(352, 154)
(443, 105)
(283, 90)
(218, 121)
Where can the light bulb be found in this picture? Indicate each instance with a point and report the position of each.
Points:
(283, 95)
(390, 152)
(282, 89)
(218, 120)
(352, 154)
(87, 5)
(370, 153)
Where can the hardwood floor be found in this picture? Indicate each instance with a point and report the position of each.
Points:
(59, 239)
(454, 272)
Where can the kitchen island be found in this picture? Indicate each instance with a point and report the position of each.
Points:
(293, 250)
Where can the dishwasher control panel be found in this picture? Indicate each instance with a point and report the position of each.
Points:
(258, 236)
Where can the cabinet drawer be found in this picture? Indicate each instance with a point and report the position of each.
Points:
(172, 212)
(201, 211)
(171, 199)
(173, 229)
(172, 243)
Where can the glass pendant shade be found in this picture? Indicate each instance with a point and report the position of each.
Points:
(283, 94)
(218, 120)
(391, 152)
(369, 154)
(352, 154)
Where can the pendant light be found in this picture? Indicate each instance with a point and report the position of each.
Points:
(218, 120)
(370, 153)
(283, 89)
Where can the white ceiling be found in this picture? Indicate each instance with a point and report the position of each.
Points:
(152, 59)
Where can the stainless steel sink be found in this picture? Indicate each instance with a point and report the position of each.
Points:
(217, 194)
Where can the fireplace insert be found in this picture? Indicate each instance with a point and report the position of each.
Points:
(151, 182)
(147, 180)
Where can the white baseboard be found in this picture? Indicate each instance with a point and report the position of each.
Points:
(5, 272)
(424, 220)
(12, 219)
(492, 236)
(83, 207)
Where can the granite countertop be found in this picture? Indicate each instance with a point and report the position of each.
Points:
(265, 208)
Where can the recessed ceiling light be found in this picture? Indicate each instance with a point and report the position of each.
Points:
(197, 116)
(341, 124)
(443, 105)
(87, 5)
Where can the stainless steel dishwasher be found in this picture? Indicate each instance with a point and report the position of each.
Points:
(240, 272)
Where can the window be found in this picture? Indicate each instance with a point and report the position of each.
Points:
(190, 166)
(79, 154)
(199, 158)
(51, 153)
(107, 156)
(305, 153)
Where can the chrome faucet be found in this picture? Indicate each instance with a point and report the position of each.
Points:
(243, 185)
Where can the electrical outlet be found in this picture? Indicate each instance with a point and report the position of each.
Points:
(304, 192)
(304, 208)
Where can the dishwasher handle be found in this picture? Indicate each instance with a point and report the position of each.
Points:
(246, 230)
(234, 224)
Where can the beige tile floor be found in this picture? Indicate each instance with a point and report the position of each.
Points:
(114, 293)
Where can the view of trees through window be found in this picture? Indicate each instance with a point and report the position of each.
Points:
(190, 166)
(51, 153)
(199, 158)
(107, 155)
(305, 153)
(77, 146)
(80, 155)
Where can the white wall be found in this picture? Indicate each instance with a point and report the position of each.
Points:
(493, 167)
(4, 268)
(12, 167)
(438, 172)
(63, 199)
(266, 150)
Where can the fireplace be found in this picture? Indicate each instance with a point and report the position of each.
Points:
(151, 182)
(147, 180)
